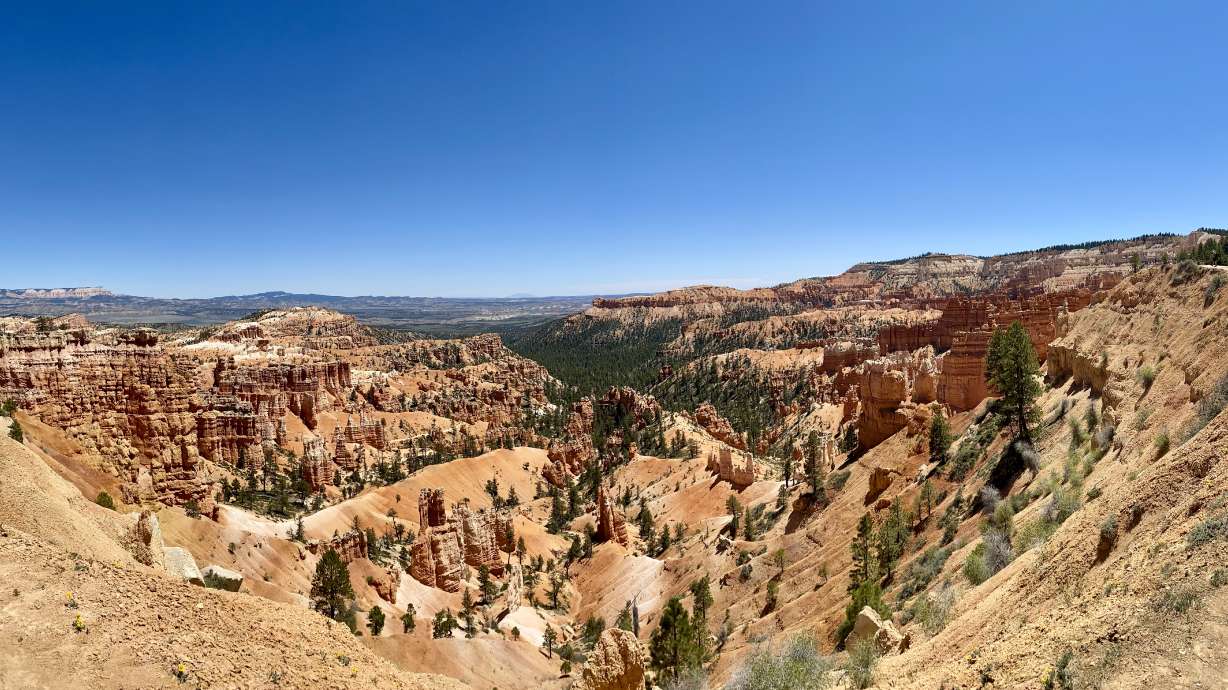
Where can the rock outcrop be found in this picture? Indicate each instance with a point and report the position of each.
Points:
(617, 662)
(310, 327)
(349, 546)
(611, 525)
(447, 543)
(883, 633)
(179, 563)
(217, 577)
(387, 584)
(718, 427)
(737, 468)
(125, 400)
(144, 540)
(888, 387)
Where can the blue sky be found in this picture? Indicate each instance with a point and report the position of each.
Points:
(485, 149)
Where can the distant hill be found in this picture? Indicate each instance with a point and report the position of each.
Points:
(438, 315)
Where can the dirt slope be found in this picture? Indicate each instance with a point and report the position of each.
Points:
(138, 624)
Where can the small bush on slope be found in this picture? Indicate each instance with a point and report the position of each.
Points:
(1209, 408)
(1207, 531)
(933, 611)
(799, 665)
(863, 657)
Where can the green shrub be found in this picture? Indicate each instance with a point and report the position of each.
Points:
(863, 657)
(1061, 676)
(1077, 437)
(1108, 528)
(838, 479)
(800, 664)
(1207, 531)
(1212, 289)
(1033, 533)
(1063, 503)
(1178, 599)
(1162, 443)
(974, 565)
(932, 611)
(1146, 376)
(1209, 408)
(1140, 418)
(923, 569)
(1187, 271)
(104, 499)
(15, 431)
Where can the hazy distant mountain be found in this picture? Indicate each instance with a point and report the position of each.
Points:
(456, 315)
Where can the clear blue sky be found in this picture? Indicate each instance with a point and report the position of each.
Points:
(452, 148)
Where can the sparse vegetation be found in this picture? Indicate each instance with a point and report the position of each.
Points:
(798, 666)
(1162, 444)
(837, 480)
(1207, 531)
(1146, 376)
(933, 610)
(863, 657)
(104, 499)
(923, 569)
(1209, 408)
(1180, 599)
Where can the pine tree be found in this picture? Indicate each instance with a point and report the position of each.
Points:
(940, 437)
(624, 618)
(330, 586)
(444, 624)
(890, 540)
(375, 620)
(467, 612)
(863, 568)
(548, 640)
(407, 619)
(701, 601)
(1012, 368)
(672, 646)
(485, 585)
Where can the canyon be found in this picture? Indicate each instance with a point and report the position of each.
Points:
(532, 510)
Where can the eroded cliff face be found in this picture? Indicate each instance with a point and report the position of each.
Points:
(171, 419)
(889, 387)
(139, 409)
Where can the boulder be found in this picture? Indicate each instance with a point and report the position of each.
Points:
(180, 563)
(617, 663)
(871, 626)
(880, 479)
(217, 577)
